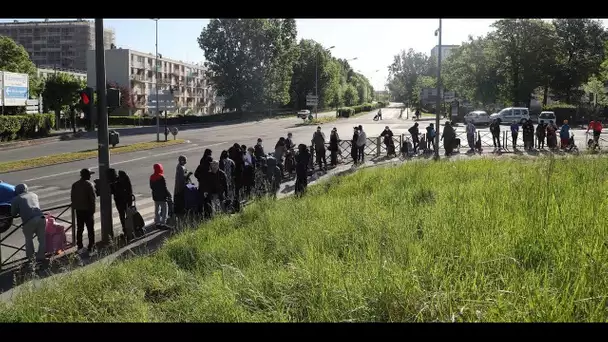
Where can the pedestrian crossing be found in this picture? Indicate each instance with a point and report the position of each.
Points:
(54, 197)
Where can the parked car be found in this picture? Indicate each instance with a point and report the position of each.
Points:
(478, 117)
(510, 114)
(545, 117)
(7, 192)
(303, 114)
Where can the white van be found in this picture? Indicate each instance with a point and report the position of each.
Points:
(511, 114)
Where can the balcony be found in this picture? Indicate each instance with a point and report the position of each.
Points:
(138, 65)
(140, 78)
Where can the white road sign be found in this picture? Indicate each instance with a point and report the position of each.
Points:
(15, 88)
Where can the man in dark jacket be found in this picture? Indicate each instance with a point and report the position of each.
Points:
(318, 141)
(495, 130)
(354, 150)
(415, 132)
(181, 174)
(387, 134)
(528, 130)
(448, 137)
(121, 189)
(216, 188)
(334, 142)
(302, 161)
(237, 154)
(259, 149)
(160, 195)
(83, 202)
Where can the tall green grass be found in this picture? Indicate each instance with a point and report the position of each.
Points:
(482, 240)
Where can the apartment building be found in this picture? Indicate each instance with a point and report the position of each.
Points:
(138, 72)
(57, 43)
(446, 51)
(45, 72)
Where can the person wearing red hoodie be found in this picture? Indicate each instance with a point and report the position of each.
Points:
(160, 195)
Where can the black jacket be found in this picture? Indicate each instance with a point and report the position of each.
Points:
(388, 136)
(302, 162)
(333, 142)
(258, 151)
(202, 169)
(160, 193)
(216, 183)
(495, 128)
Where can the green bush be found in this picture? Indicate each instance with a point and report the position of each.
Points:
(25, 126)
(553, 107)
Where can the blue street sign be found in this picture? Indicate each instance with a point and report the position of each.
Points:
(11, 92)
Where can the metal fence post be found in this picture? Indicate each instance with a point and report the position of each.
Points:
(73, 226)
(378, 147)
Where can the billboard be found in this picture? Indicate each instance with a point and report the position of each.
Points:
(15, 89)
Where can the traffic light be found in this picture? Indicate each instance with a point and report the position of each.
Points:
(86, 102)
(113, 98)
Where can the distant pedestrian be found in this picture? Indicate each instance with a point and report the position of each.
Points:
(514, 133)
(334, 146)
(179, 190)
(415, 132)
(596, 127)
(83, 200)
(471, 136)
(430, 136)
(215, 190)
(417, 114)
(551, 135)
(528, 135)
(564, 135)
(354, 150)
(495, 130)
(540, 135)
(318, 141)
(160, 195)
(448, 137)
(302, 162)
(361, 141)
(26, 205)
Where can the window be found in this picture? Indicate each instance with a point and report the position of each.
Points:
(506, 112)
(517, 112)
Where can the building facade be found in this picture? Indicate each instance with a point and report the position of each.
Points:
(446, 51)
(43, 73)
(138, 72)
(58, 44)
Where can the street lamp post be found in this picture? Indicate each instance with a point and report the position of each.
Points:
(317, 80)
(156, 81)
(438, 104)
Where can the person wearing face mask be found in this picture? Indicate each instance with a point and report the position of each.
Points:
(318, 141)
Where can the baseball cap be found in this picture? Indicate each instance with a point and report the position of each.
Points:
(86, 172)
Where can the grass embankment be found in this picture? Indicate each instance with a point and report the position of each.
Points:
(480, 240)
(60, 158)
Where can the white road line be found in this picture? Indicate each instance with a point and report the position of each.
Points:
(125, 161)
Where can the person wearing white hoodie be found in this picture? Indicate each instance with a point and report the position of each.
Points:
(362, 138)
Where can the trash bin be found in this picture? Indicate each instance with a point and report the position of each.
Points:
(114, 138)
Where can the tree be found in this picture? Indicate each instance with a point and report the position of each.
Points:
(14, 58)
(422, 82)
(581, 51)
(595, 86)
(406, 69)
(61, 93)
(351, 96)
(518, 45)
(250, 60)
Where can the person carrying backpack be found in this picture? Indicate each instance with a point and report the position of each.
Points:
(430, 136)
(160, 195)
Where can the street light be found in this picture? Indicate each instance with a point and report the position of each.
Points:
(156, 81)
(438, 104)
(317, 80)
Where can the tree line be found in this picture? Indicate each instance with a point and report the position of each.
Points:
(520, 59)
(258, 65)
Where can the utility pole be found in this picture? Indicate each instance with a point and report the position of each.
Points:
(102, 135)
(317, 84)
(156, 79)
(438, 104)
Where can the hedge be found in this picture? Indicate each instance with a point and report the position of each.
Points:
(366, 107)
(553, 107)
(25, 126)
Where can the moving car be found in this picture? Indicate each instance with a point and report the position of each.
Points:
(303, 114)
(478, 117)
(510, 114)
(545, 117)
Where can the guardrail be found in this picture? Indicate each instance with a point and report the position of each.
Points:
(14, 250)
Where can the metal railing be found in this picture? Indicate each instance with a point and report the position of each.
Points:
(13, 250)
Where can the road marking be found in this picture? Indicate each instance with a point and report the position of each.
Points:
(124, 161)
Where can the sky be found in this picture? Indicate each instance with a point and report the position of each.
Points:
(374, 42)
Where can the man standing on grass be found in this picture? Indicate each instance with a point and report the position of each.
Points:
(26, 205)
(318, 141)
(361, 140)
(83, 202)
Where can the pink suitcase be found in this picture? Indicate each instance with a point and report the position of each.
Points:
(56, 239)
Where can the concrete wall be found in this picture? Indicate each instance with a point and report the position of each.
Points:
(117, 68)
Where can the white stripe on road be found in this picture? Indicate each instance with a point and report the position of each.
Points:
(124, 161)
